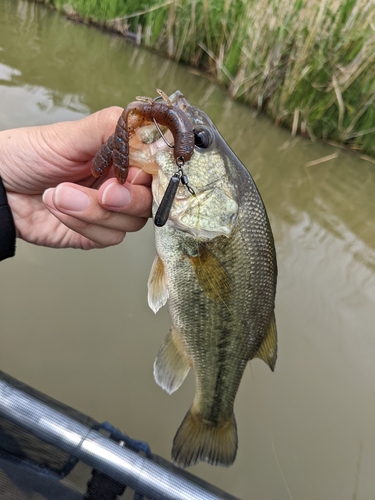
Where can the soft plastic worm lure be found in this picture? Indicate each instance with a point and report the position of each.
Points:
(115, 151)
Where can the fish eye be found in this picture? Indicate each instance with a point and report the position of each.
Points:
(202, 138)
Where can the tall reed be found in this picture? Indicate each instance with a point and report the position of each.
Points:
(308, 64)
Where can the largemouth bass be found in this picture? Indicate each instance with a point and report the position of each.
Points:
(216, 268)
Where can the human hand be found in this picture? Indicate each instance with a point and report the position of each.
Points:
(55, 200)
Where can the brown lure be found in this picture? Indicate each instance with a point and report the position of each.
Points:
(115, 151)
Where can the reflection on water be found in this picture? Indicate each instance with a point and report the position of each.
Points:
(77, 326)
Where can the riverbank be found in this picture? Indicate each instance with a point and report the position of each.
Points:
(308, 65)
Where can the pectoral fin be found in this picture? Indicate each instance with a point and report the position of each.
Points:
(268, 349)
(211, 275)
(157, 286)
(172, 364)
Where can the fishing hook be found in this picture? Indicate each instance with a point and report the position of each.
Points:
(162, 135)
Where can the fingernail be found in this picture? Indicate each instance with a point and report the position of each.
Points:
(47, 197)
(70, 198)
(115, 196)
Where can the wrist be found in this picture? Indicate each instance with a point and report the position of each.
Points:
(7, 227)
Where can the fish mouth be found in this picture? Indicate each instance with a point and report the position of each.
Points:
(143, 154)
(161, 144)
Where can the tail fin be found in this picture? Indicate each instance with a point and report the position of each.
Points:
(198, 440)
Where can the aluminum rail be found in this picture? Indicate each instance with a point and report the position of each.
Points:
(155, 478)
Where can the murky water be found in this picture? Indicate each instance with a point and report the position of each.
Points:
(76, 324)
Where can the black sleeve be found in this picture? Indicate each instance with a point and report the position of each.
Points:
(7, 227)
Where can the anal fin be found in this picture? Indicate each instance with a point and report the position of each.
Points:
(268, 349)
(172, 364)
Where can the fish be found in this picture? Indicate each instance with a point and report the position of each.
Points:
(216, 268)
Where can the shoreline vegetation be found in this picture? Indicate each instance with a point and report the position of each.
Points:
(309, 65)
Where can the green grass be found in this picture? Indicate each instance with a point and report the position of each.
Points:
(309, 64)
